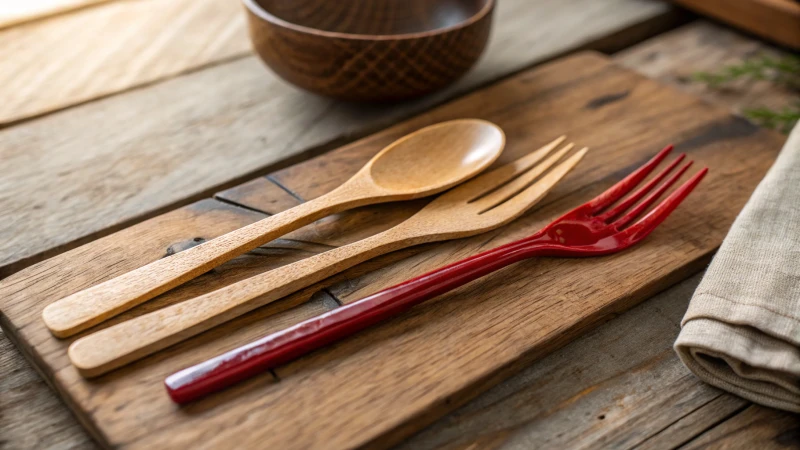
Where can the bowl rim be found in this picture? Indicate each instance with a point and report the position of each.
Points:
(256, 9)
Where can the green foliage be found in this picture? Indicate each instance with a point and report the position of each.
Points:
(782, 120)
(784, 71)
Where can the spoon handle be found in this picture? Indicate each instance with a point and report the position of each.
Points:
(98, 303)
(128, 341)
(283, 346)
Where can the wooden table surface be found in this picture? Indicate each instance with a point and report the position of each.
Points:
(96, 135)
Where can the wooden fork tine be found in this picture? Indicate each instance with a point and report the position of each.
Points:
(648, 223)
(616, 192)
(490, 180)
(508, 190)
(518, 204)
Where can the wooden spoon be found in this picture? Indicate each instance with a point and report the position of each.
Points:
(422, 163)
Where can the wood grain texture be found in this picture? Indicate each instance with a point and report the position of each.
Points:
(183, 139)
(775, 20)
(433, 359)
(261, 194)
(620, 386)
(711, 414)
(755, 427)
(16, 12)
(31, 415)
(52, 64)
(675, 56)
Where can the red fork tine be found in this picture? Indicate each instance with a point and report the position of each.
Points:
(648, 223)
(633, 198)
(638, 209)
(616, 192)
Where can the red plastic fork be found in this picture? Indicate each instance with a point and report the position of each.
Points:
(592, 229)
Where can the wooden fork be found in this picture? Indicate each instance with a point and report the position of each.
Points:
(591, 229)
(484, 203)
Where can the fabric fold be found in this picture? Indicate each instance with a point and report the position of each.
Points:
(741, 331)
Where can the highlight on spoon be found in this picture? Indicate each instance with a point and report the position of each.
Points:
(463, 148)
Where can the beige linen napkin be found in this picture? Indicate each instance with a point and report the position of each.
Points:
(741, 332)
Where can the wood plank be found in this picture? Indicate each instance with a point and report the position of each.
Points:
(16, 12)
(48, 65)
(614, 387)
(433, 359)
(696, 422)
(183, 139)
(755, 427)
(32, 416)
(260, 194)
(775, 20)
(676, 56)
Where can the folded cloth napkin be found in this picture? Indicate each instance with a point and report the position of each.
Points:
(741, 331)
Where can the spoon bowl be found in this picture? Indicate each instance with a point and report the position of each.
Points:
(437, 157)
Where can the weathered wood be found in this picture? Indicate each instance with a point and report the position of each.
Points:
(755, 427)
(774, 20)
(260, 194)
(689, 426)
(52, 64)
(31, 415)
(612, 388)
(16, 12)
(434, 358)
(619, 386)
(676, 56)
(97, 168)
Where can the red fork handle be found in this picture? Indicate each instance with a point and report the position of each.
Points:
(278, 348)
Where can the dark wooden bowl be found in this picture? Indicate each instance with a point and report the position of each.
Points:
(370, 50)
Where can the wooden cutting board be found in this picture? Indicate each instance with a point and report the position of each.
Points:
(388, 382)
(775, 20)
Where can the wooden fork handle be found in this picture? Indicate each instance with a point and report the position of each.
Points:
(89, 307)
(128, 341)
(278, 348)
